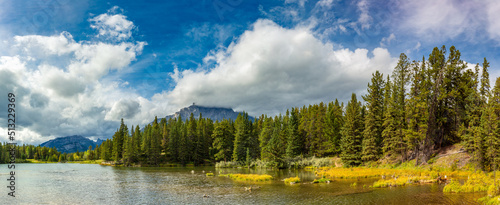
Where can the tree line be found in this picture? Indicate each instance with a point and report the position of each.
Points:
(23, 152)
(422, 106)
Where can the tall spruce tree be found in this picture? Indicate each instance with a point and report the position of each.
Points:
(351, 134)
(295, 141)
(223, 141)
(417, 108)
(401, 79)
(390, 139)
(372, 135)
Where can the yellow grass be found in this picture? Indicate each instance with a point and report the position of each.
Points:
(292, 180)
(249, 177)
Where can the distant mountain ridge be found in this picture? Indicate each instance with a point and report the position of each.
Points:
(214, 113)
(70, 144)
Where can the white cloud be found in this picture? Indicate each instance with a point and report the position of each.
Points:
(271, 68)
(301, 3)
(114, 26)
(493, 12)
(63, 88)
(47, 45)
(387, 40)
(364, 16)
(449, 19)
(325, 3)
(125, 108)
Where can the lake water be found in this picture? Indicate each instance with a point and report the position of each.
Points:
(96, 184)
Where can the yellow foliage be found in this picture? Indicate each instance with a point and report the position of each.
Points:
(292, 180)
(249, 177)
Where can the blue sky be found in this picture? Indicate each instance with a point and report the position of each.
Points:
(78, 67)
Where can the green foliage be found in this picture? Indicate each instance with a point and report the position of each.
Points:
(223, 141)
(295, 143)
(372, 134)
(351, 140)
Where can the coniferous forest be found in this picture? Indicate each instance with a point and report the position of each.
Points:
(422, 106)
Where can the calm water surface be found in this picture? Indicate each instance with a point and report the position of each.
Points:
(96, 184)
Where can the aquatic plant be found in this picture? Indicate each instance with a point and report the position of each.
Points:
(248, 177)
(292, 180)
(476, 182)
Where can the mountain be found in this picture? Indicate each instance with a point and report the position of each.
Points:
(214, 113)
(71, 144)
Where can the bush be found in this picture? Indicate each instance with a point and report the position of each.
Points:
(210, 174)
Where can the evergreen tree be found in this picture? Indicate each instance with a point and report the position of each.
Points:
(295, 141)
(334, 123)
(265, 136)
(351, 134)
(223, 141)
(400, 81)
(389, 132)
(118, 142)
(243, 131)
(372, 135)
(274, 146)
(155, 144)
(417, 107)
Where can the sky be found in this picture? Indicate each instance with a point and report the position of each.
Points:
(78, 67)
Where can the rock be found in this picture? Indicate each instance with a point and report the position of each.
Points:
(214, 113)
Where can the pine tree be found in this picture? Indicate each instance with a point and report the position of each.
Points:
(334, 123)
(264, 137)
(351, 134)
(372, 135)
(490, 124)
(389, 132)
(118, 142)
(295, 141)
(274, 146)
(192, 137)
(485, 81)
(400, 81)
(243, 131)
(223, 141)
(184, 148)
(417, 107)
(155, 149)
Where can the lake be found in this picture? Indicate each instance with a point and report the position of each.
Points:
(96, 184)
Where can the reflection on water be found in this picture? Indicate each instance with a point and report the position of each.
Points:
(95, 184)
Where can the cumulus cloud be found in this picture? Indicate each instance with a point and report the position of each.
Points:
(113, 26)
(271, 68)
(124, 108)
(63, 88)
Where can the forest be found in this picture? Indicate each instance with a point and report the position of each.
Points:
(422, 106)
